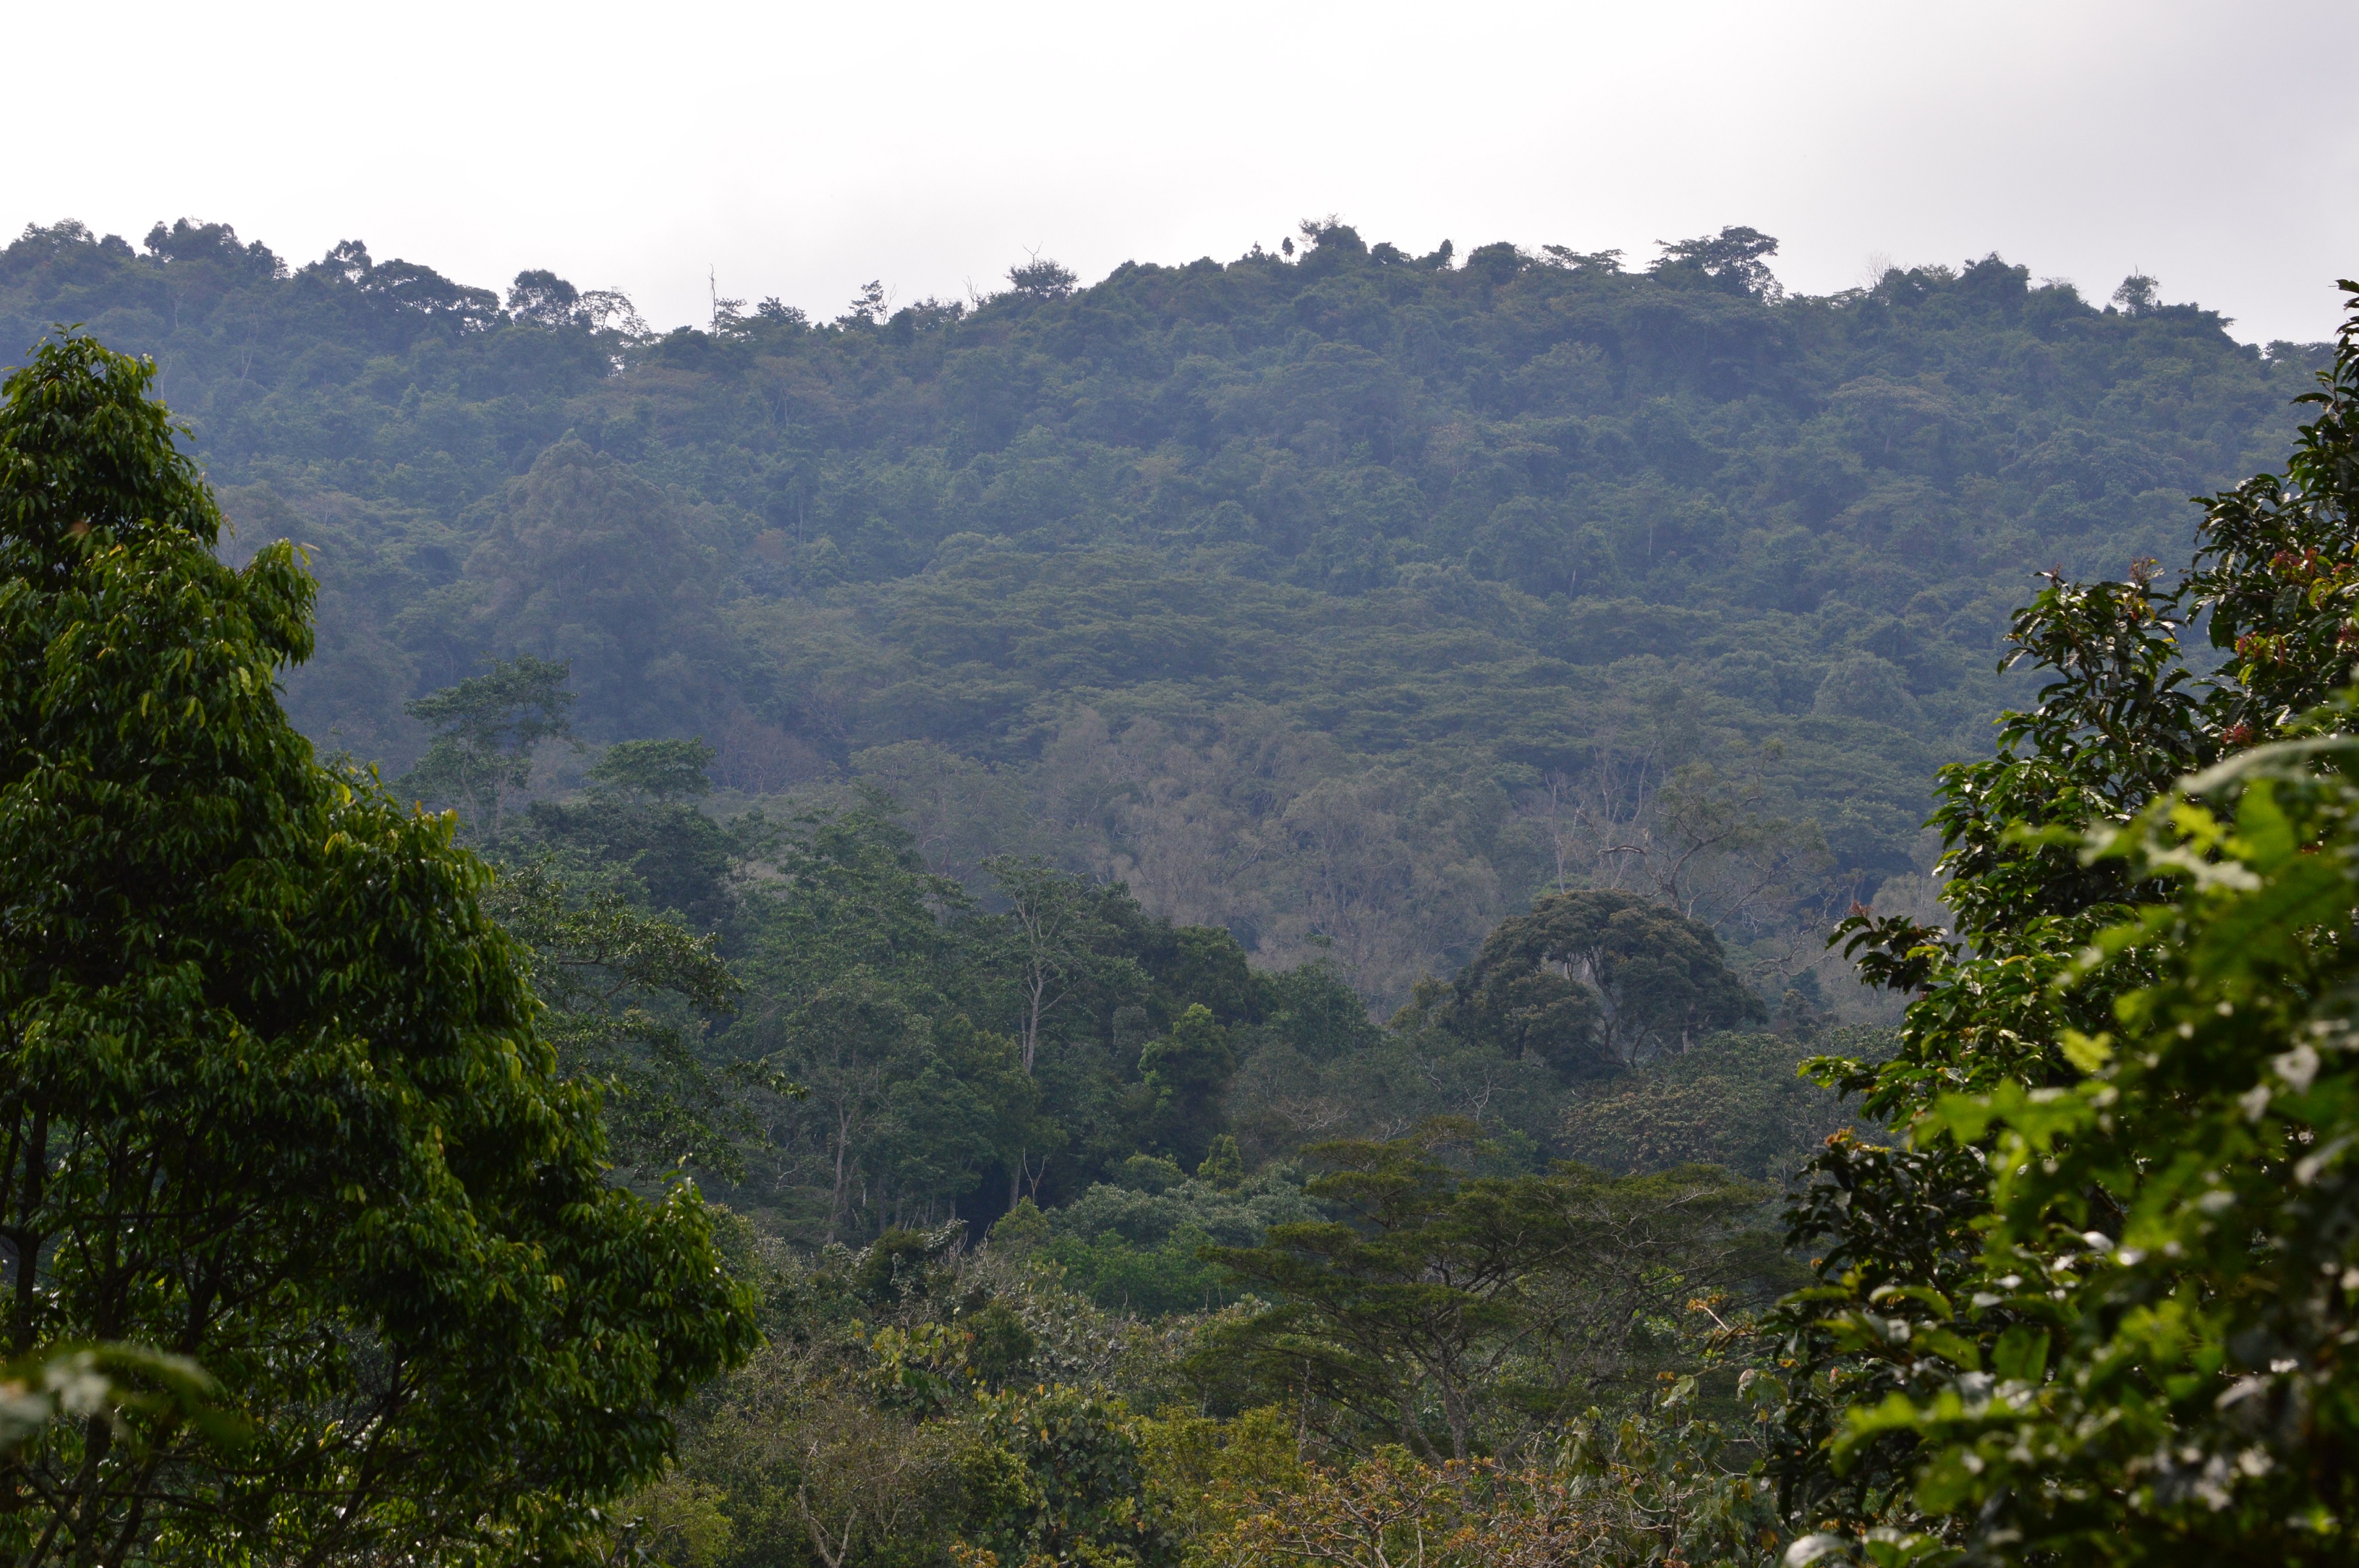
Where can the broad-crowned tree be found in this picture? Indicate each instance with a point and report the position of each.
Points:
(487, 730)
(273, 1097)
(1589, 981)
(655, 771)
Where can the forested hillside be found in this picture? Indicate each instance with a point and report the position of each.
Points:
(961, 1138)
(1343, 598)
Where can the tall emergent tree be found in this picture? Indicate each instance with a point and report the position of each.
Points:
(1054, 933)
(486, 730)
(272, 1095)
(2099, 1305)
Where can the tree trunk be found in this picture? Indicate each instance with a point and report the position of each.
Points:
(843, 1150)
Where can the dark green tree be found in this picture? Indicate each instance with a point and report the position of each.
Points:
(1188, 1071)
(964, 1117)
(272, 1093)
(1592, 980)
(629, 995)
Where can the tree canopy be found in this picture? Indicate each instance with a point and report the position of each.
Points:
(1305, 595)
(949, 782)
(1592, 981)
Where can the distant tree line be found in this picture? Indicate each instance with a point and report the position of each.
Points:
(1333, 597)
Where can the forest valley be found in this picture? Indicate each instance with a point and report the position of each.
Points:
(1183, 921)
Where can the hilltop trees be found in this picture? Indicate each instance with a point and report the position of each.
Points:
(1277, 590)
(272, 1095)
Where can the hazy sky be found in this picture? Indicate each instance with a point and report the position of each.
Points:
(799, 150)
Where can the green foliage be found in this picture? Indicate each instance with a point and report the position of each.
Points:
(974, 1412)
(1188, 1071)
(2140, 1362)
(2080, 1312)
(2169, 1366)
(1052, 936)
(1133, 1247)
(1084, 1496)
(1153, 1279)
(591, 564)
(903, 1006)
(897, 1264)
(1445, 1311)
(1288, 591)
(1200, 1467)
(928, 1406)
(1224, 1166)
(1021, 1229)
(273, 1097)
(1313, 1011)
(1022, 563)
(1592, 981)
(664, 855)
(624, 992)
(973, 1396)
(655, 771)
(486, 730)
(1734, 1100)
(1415, 1070)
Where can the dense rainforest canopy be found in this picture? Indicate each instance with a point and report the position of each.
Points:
(949, 782)
(1330, 598)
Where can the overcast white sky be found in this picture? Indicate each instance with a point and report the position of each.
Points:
(803, 149)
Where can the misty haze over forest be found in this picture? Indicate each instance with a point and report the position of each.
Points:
(1336, 598)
